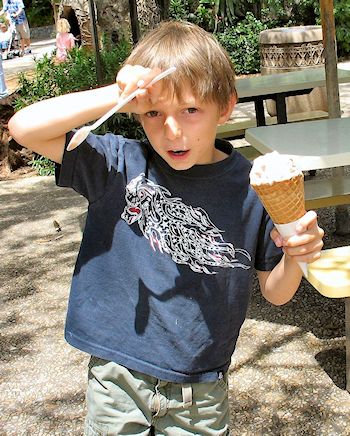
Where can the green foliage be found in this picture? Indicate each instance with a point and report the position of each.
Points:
(78, 73)
(229, 12)
(278, 13)
(39, 12)
(212, 15)
(205, 16)
(242, 44)
(342, 20)
(179, 9)
(44, 166)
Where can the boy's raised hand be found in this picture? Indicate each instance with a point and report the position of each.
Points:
(132, 77)
(307, 244)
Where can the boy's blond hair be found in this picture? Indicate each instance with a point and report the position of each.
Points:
(200, 60)
(62, 26)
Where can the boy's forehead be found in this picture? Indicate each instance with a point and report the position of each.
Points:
(186, 96)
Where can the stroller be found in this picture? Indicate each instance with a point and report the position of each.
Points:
(13, 47)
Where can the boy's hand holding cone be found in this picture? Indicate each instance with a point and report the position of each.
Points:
(280, 187)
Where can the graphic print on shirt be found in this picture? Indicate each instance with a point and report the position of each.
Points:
(186, 233)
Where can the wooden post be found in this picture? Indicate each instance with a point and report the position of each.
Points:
(96, 45)
(342, 222)
(163, 6)
(135, 28)
(330, 54)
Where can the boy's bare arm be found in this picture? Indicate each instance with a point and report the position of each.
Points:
(279, 285)
(42, 127)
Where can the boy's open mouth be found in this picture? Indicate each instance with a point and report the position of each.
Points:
(178, 152)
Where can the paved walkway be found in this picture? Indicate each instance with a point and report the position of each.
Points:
(12, 67)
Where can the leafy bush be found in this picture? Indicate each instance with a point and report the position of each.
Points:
(242, 44)
(179, 9)
(342, 20)
(77, 74)
(44, 166)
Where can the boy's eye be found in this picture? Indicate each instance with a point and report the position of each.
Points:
(152, 114)
(191, 110)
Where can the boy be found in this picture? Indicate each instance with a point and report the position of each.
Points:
(172, 238)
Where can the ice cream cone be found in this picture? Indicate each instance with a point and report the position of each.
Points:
(283, 200)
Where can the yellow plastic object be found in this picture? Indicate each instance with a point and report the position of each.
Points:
(330, 275)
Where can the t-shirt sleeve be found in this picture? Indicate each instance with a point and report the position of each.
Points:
(88, 167)
(267, 254)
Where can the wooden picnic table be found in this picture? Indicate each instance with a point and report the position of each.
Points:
(313, 144)
(279, 86)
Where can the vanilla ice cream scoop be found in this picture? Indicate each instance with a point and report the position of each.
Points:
(273, 167)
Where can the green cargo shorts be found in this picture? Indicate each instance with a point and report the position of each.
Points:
(125, 402)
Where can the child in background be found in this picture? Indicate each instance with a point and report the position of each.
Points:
(5, 38)
(64, 40)
(173, 237)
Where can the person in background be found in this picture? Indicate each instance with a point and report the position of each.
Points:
(15, 9)
(64, 40)
(5, 38)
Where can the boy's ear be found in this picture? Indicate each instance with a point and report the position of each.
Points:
(227, 111)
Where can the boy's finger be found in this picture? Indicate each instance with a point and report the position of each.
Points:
(307, 221)
(148, 77)
(276, 237)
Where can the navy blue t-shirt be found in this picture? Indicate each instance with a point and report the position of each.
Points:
(164, 272)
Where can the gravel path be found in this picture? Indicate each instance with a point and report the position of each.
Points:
(287, 376)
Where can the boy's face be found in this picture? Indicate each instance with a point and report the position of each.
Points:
(183, 132)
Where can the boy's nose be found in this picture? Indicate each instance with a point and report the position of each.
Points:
(172, 128)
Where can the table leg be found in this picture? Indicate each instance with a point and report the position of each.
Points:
(281, 108)
(260, 112)
(347, 341)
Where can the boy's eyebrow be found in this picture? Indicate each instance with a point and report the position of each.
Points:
(188, 102)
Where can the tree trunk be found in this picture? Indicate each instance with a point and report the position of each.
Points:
(163, 6)
(135, 28)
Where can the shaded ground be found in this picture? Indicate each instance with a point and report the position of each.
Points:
(287, 376)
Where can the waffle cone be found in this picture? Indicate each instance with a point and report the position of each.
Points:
(284, 201)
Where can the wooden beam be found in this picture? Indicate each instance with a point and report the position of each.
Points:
(96, 44)
(134, 21)
(330, 54)
(342, 226)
